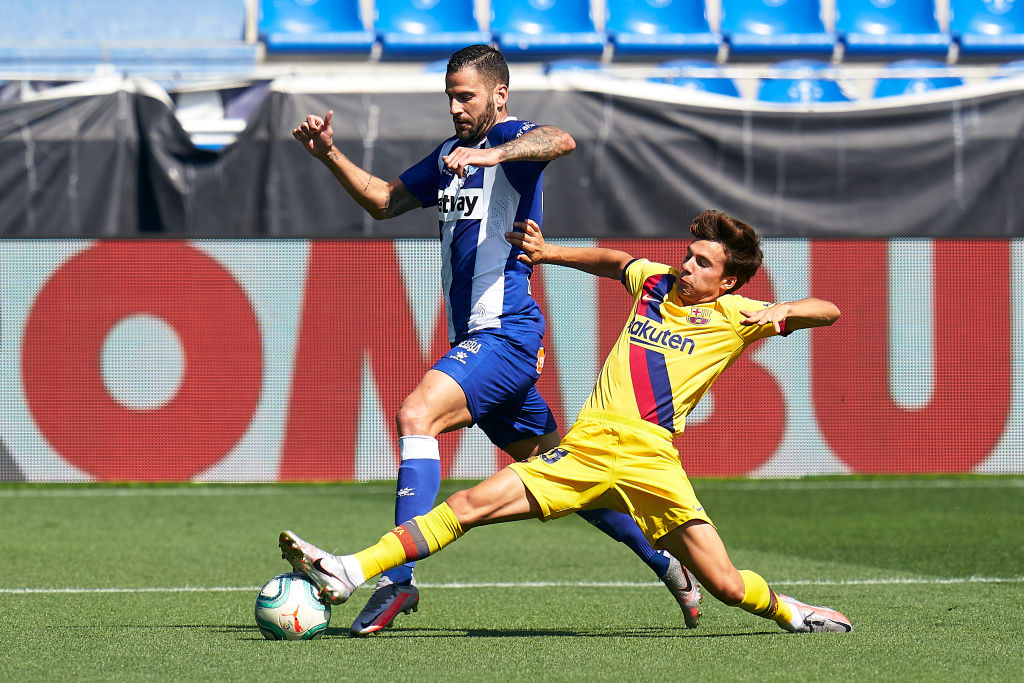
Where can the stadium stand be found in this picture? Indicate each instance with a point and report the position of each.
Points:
(414, 29)
(916, 75)
(695, 74)
(800, 81)
(1014, 69)
(304, 26)
(540, 29)
(890, 27)
(569, 65)
(987, 28)
(761, 28)
(659, 27)
(136, 37)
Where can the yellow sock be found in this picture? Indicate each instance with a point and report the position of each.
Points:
(419, 537)
(761, 600)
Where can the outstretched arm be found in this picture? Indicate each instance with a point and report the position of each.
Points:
(794, 315)
(381, 199)
(594, 260)
(543, 143)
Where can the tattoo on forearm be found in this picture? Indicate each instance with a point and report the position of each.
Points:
(540, 144)
(367, 186)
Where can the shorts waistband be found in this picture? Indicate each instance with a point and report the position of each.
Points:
(625, 421)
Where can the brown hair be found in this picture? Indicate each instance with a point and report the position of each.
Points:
(487, 61)
(741, 243)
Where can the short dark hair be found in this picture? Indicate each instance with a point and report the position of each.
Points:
(741, 243)
(487, 61)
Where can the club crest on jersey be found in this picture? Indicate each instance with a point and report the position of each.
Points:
(699, 316)
(466, 204)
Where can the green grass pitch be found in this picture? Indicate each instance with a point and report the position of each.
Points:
(158, 582)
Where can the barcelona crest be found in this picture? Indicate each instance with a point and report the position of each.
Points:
(699, 316)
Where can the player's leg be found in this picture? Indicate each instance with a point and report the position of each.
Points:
(698, 545)
(517, 421)
(500, 498)
(436, 405)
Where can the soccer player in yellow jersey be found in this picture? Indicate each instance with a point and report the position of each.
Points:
(686, 326)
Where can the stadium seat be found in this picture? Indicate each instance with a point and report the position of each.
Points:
(775, 27)
(540, 29)
(1014, 69)
(659, 27)
(889, 27)
(419, 29)
(313, 26)
(142, 37)
(800, 81)
(694, 74)
(569, 65)
(987, 27)
(917, 77)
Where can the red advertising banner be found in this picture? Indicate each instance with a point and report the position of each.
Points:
(287, 360)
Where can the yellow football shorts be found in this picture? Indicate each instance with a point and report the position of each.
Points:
(614, 461)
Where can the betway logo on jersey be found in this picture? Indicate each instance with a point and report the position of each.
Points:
(466, 204)
(642, 332)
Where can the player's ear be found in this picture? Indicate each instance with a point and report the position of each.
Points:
(500, 95)
(729, 282)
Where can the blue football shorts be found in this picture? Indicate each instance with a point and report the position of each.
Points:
(499, 377)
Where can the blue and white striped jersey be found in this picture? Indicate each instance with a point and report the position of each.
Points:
(485, 287)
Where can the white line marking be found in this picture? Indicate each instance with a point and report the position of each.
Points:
(894, 581)
(377, 489)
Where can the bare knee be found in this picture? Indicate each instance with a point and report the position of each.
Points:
(466, 507)
(729, 587)
(414, 417)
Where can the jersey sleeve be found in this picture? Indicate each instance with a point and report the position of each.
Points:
(732, 304)
(523, 175)
(423, 178)
(636, 272)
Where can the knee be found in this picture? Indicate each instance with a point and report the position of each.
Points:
(465, 508)
(413, 417)
(730, 589)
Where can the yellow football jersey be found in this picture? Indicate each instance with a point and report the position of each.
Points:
(669, 354)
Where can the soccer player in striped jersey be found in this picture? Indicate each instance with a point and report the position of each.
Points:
(482, 180)
(686, 326)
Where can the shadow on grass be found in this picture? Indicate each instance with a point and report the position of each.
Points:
(643, 632)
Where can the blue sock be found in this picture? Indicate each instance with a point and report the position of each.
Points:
(623, 529)
(419, 480)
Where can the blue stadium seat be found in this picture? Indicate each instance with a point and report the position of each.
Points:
(150, 37)
(889, 27)
(1014, 69)
(988, 27)
(695, 74)
(801, 81)
(775, 27)
(420, 29)
(920, 75)
(541, 29)
(659, 27)
(570, 64)
(309, 26)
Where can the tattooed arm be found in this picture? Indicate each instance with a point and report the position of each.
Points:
(543, 143)
(379, 198)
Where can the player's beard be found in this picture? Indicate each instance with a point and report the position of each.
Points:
(476, 132)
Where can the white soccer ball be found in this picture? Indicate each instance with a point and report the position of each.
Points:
(288, 608)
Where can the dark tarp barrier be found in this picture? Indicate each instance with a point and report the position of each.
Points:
(118, 164)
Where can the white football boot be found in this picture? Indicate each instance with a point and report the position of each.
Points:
(684, 588)
(812, 619)
(327, 571)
